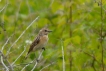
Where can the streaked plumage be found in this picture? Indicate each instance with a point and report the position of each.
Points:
(40, 41)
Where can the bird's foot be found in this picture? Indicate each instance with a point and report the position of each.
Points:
(37, 60)
(43, 48)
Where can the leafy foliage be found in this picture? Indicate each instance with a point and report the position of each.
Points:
(75, 23)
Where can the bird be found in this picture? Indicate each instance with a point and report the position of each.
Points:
(40, 41)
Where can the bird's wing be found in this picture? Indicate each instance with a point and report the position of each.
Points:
(34, 43)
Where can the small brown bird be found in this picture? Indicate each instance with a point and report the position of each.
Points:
(40, 41)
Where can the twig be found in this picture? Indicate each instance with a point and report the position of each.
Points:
(93, 64)
(33, 62)
(101, 37)
(18, 65)
(27, 3)
(17, 14)
(4, 7)
(6, 42)
(51, 3)
(7, 69)
(18, 9)
(47, 66)
(21, 35)
(92, 57)
(19, 55)
(2, 21)
(10, 67)
(63, 55)
(26, 65)
(101, 32)
(37, 61)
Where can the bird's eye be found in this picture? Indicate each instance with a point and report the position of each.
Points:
(45, 30)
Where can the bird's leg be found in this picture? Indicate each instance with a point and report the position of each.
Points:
(43, 48)
(35, 55)
(36, 58)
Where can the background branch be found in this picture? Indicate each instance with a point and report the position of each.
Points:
(34, 61)
(63, 55)
(37, 61)
(21, 35)
(7, 69)
(2, 55)
(47, 66)
(4, 7)
(6, 42)
(101, 37)
(19, 55)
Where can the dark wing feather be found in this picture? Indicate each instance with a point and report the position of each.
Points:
(34, 43)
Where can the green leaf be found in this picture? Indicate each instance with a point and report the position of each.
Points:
(76, 39)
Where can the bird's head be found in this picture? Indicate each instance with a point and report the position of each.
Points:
(44, 31)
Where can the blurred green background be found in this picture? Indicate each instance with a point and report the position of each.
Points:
(76, 26)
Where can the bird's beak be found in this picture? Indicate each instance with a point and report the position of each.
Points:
(49, 31)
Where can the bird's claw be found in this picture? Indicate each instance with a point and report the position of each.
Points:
(37, 60)
(43, 48)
